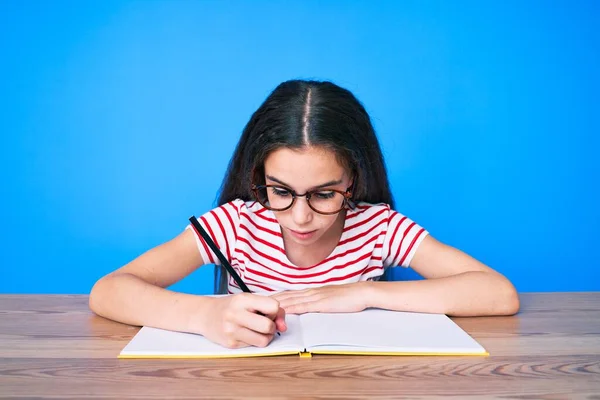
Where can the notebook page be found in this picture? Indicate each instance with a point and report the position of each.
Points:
(386, 331)
(159, 343)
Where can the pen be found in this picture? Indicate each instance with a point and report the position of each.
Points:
(221, 257)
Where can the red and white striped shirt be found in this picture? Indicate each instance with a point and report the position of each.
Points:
(249, 236)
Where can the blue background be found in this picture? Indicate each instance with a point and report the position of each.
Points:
(118, 120)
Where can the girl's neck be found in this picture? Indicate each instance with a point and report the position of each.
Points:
(306, 256)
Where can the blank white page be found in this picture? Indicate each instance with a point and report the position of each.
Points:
(386, 331)
(159, 343)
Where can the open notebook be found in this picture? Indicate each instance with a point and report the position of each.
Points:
(373, 331)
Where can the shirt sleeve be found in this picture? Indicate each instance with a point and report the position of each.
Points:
(221, 224)
(402, 238)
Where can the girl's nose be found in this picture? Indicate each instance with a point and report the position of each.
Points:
(301, 212)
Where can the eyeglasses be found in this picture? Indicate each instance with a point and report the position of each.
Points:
(280, 198)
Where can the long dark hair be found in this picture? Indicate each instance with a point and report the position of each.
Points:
(300, 113)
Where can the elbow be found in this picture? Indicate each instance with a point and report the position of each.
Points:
(509, 303)
(95, 296)
(99, 294)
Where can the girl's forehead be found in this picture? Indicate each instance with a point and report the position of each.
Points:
(310, 166)
(286, 158)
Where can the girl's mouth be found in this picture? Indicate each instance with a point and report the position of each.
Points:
(303, 235)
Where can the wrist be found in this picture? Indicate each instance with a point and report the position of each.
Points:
(196, 313)
(369, 292)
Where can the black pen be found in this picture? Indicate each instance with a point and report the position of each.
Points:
(221, 257)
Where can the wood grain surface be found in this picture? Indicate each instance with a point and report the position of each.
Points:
(54, 347)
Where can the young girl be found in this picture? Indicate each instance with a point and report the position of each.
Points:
(306, 218)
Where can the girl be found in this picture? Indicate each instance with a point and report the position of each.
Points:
(306, 218)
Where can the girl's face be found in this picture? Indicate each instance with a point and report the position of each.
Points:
(309, 169)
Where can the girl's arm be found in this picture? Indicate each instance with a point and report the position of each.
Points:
(456, 284)
(135, 294)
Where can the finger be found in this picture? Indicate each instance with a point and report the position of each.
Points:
(303, 308)
(291, 301)
(279, 295)
(255, 322)
(233, 344)
(289, 294)
(280, 321)
(262, 304)
(253, 338)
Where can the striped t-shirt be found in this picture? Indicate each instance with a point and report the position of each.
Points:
(249, 236)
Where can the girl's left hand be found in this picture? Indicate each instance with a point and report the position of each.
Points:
(350, 297)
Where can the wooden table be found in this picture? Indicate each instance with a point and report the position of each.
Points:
(54, 347)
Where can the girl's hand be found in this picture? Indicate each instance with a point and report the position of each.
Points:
(234, 321)
(350, 297)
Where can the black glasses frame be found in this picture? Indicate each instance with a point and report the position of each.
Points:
(347, 195)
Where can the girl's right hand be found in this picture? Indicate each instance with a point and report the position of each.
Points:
(234, 321)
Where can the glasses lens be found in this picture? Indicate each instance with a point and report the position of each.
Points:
(276, 198)
(327, 201)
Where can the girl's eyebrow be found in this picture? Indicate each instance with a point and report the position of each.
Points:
(330, 183)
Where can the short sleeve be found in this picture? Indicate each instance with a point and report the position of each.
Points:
(402, 238)
(221, 224)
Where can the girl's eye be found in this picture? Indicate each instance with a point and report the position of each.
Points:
(280, 192)
(324, 195)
